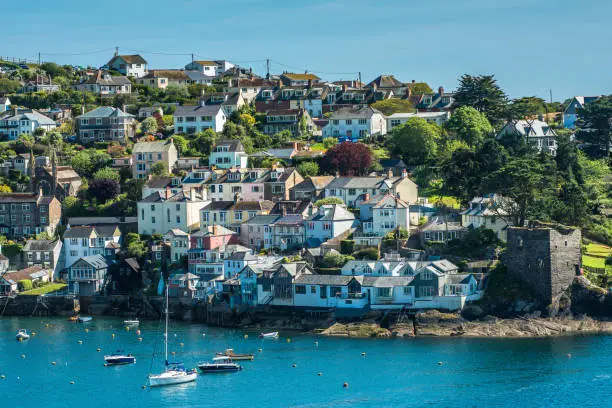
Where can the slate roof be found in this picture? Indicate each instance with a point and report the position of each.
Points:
(385, 81)
(159, 182)
(129, 59)
(361, 182)
(105, 112)
(459, 278)
(313, 183)
(160, 196)
(153, 147)
(335, 280)
(264, 205)
(177, 232)
(390, 201)
(241, 256)
(175, 74)
(218, 206)
(528, 128)
(291, 207)
(438, 224)
(233, 145)
(41, 245)
(103, 78)
(262, 220)
(362, 112)
(332, 212)
(399, 163)
(300, 77)
(385, 281)
(97, 261)
(197, 110)
(19, 198)
(289, 220)
(133, 263)
(32, 272)
(213, 230)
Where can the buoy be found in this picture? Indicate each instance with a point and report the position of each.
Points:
(113, 335)
(288, 340)
(320, 374)
(2, 376)
(345, 385)
(86, 330)
(174, 352)
(181, 344)
(71, 382)
(47, 325)
(53, 363)
(138, 332)
(23, 356)
(20, 339)
(127, 328)
(316, 343)
(569, 355)
(203, 334)
(98, 349)
(260, 350)
(144, 386)
(363, 354)
(105, 365)
(140, 339)
(80, 341)
(293, 365)
(246, 336)
(440, 363)
(33, 333)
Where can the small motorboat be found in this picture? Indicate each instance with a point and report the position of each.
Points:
(238, 357)
(272, 335)
(84, 319)
(22, 334)
(119, 359)
(219, 364)
(73, 318)
(135, 322)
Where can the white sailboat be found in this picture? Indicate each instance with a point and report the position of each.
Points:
(175, 373)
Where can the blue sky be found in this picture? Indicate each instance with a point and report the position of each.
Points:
(530, 45)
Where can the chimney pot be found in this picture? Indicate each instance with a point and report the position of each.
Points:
(441, 90)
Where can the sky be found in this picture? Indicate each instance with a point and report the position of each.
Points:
(532, 46)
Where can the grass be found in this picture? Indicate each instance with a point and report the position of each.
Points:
(593, 262)
(52, 287)
(318, 146)
(595, 255)
(599, 250)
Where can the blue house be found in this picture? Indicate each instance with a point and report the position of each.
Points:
(570, 115)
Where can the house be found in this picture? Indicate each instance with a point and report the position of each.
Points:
(326, 291)
(147, 154)
(161, 185)
(21, 163)
(23, 121)
(440, 230)
(256, 232)
(208, 247)
(183, 286)
(237, 184)
(535, 132)
(190, 119)
(86, 276)
(210, 68)
(398, 119)
(433, 289)
(293, 79)
(237, 261)
(570, 115)
(178, 240)
(35, 273)
(228, 154)
(275, 284)
(396, 166)
(382, 267)
(487, 212)
(287, 232)
(129, 65)
(279, 182)
(83, 241)
(121, 162)
(440, 101)
(197, 77)
(105, 124)
(355, 123)
(187, 163)
(43, 252)
(249, 88)
(103, 83)
(59, 114)
(295, 207)
(40, 83)
(383, 213)
(163, 211)
(148, 111)
(247, 279)
(126, 276)
(388, 83)
(330, 221)
(24, 214)
(5, 104)
(8, 286)
(161, 78)
(296, 121)
(350, 189)
(212, 237)
(230, 102)
(59, 181)
(231, 214)
(311, 188)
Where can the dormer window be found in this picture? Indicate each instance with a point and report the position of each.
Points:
(253, 175)
(266, 94)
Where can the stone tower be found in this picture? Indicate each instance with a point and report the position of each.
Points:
(546, 258)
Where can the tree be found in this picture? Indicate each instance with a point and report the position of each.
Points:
(391, 106)
(595, 126)
(5, 189)
(203, 142)
(483, 94)
(282, 138)
(135, 248)
(526, 107)
(106, 173)
(181, 143)
(469, 125)
(159, 169)
(330, 142)
(328, 200)
(81, 163)
(149, 125)
(416, 140)
(334, 259)
(8, 86)
(103, 189)
(419, 88)
(246, 120)
(350, 159)
(308, 168)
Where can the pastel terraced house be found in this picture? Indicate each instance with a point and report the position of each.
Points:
(227, 154)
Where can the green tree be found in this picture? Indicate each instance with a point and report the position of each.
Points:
(469, 125)
(8, 86)
(203, 142)
(416, 140)
(526, 107)
(483, 94)
(81, 163)
(107, 173)
(149, 125)
(595, 126)
(181, 143)
(391, 106)
(308, 168)
(419, 88)
(328, 200)
(282, 138)
(134, 246)
(159, 169)
(330, 142)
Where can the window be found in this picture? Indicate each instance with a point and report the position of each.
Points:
(395, 122)
(383, 292)
(363, 121)
(205, 216)
(313, 289)
(212, 188)
(152, 207)
(25, 207)
(426, 275)
(300, 289)
(334, 291)
(326, 226)
(152, 220)
(255, 189)
(168, 214)
(408, 290)
(278, 189)
(74, 253)
(178, 219)
(349, 122)
(142, 213)
(352, 191)
(426, 291)
(220, 188)
(238, 215)
(335, 122)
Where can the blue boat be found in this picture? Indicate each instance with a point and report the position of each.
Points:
(119, 359)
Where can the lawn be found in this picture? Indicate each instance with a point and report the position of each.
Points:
(599, 250)
(52, 287)
(318, 146)
(593, 262)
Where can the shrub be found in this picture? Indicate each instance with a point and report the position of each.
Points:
(24, 284)
(370, 253)
(347, 246)
(329, 142)
(328, 200)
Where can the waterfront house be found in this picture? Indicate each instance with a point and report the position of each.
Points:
(325, 291)
(160, 212)
(381, 267)
(129, 65)
(287, 232)
(329, 221)
(105, 124)
(24, 214)
(43, 252)
(86, 276)
(234, 263)
(126, 276)
(8, 286)
(275, 285)
(435, 290)
(183, 286)
(178, 240)
(191, 119)
(228, 154)
(536, 133)
(355, 123)
(35, 273)
(439, 230)
(146, 154)
(105, 84)
(570, 115)
(83, 241)
(350, 189)
(487, 212)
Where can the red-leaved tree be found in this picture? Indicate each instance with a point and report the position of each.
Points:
(349, 159)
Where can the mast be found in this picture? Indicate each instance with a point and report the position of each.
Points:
(166, 332)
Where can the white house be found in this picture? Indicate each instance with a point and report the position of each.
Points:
(192, 119)
(486, 212)
(147, 154)
(398, 119)
(536, 133)
(178, 241)
(129, 65)
(330, 221)
(210, 68)
(381, 267)
(381, 214)
(5, 104)
(163, 211)
(16, 122)
(352, 189)
(84, 241)
(355, 123)
(227, 154)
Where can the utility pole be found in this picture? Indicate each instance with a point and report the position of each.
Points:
(39, 59)
(192, 60)
(267, 68)
(116, 51)
(359, 79)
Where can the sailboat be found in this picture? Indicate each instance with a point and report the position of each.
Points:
(175, 372)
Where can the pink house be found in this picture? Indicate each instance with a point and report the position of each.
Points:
(253, 185)
(212, 237)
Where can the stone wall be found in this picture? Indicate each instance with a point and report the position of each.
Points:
(546, 259)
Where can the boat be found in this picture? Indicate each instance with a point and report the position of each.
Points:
(174, 373)
(22, 334)
(73, 318)
(237, 357)
(119, 359)
(272, 335)
(131, 322)
(84, 319)
(219, 365)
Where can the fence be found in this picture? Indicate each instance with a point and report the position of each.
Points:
(19, 60)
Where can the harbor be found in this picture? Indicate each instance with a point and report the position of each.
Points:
(67, 358)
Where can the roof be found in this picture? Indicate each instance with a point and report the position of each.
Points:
(241, 256)
(444, 265)
(335, 280)
(206, 63)
(64, 174)
(386, 281)
(386, 81)
(153, 147)
(177, 232)
(233, 145)
(388, 201)
(313, 183)
(301, 77)
(262, 220)
(399, 163)
(27, 114)
(20, 198)
(176, 74)
(289, 220)
(332, 212)
(104, 78)
(129, 59)
(372, 182)
(106, 112)
(361, 112)
(41, 245)
(85, 231)
(97, 261)
(31, 272)
(212, 230)
(439, 224)
(528, 128)
(290, 207)
(133, 263)
(264, 205)
(197, 110)
(459, 278)
(159, 182)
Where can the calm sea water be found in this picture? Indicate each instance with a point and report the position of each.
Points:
(394, 373)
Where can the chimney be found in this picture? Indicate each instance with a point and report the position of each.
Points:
(337, 174)
(366, 197)
(344, 87)
(441, 90)
(404, 173)
(389, 173)
(124, 108)
(168, 192)
(40, 192)
(284, 210)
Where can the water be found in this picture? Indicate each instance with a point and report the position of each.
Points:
(394, 373)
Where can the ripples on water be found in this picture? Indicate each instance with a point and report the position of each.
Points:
(394, 373)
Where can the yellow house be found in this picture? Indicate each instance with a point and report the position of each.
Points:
(161, 78)
(230, 214)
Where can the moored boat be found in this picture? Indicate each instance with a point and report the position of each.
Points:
(134, 322)
(119, 359)
(73, 318)
(84, 319)
(22, 334)
(271, 335)
(238, 357)
(219, 364)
